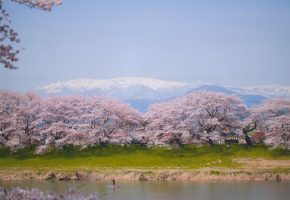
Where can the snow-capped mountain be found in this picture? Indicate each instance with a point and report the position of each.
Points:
(138, 92)
(141, 92)
(121, 88)
(107, 84)
(270, 91)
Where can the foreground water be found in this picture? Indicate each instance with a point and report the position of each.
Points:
(166, 190)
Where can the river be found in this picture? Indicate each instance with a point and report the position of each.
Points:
(164, 190)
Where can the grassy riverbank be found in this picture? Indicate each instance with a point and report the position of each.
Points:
(136, 162)
(135, 156)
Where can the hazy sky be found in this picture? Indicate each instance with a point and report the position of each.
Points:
(233, 42)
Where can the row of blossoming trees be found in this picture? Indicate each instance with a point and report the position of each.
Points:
(27, 119)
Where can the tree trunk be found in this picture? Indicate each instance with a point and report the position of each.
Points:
(248, 139)
(210, 142)
(248, 129)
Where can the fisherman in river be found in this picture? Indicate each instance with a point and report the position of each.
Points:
(113, 184)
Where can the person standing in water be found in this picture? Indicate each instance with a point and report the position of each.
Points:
(114, 182)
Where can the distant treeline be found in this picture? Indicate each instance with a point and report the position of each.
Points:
(29, 119)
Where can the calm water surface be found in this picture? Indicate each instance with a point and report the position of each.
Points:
(166, 190)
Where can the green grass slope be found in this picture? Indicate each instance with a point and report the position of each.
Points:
(136, 156)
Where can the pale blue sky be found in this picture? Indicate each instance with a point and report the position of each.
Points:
(242, 42)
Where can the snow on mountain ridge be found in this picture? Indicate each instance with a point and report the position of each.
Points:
(142, 92)
(130, 85)
(88, 84)
(280, 90)
(271, 91)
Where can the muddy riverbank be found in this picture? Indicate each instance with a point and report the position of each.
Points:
(200, 175)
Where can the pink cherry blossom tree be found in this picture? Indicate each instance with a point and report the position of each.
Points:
(272, 117)
(8, 108)
(195, 118)
(164, 124)
(18, 117)
(214, 113)
(111, 118)
(9, 38)
(204, 116)
(278, 134)
(40, 4)
(85, 121)
(30, 119)
(61, 116)
(28, 111)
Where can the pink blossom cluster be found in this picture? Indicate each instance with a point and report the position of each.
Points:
(9, 38)
(33, 194)
(27, 119)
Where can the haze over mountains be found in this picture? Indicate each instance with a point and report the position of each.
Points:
(141, 92)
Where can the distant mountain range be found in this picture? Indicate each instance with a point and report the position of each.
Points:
(141, 92)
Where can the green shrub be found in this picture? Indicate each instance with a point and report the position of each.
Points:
(4, 151)
(214, 172)
(25, 152)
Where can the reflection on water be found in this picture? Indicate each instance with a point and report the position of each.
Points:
(166, 190)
